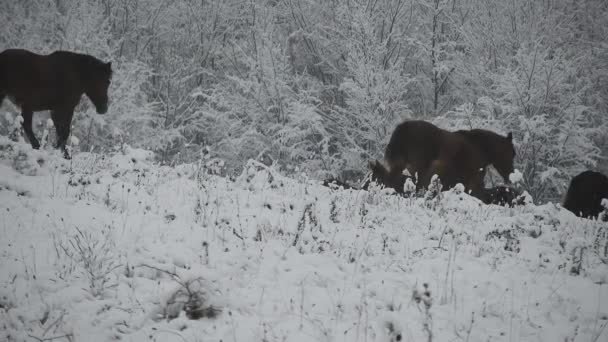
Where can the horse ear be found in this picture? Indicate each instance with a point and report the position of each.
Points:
(510, 136)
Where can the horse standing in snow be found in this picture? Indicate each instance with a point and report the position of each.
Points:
(53, 82)
(585, 194)
(456, 157)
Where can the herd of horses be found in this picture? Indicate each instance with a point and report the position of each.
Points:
(417, 150)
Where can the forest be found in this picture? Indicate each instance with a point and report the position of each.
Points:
(317, 86)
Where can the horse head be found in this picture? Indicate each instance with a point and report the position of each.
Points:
(503, 155)
(383, 176)
(97, 82)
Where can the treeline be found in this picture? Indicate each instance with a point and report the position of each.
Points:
(318, 85)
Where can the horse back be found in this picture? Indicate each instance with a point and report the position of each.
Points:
(19, 61)
(28, 65)
(38, 81)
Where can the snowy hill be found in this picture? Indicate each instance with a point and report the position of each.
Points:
(106, 248)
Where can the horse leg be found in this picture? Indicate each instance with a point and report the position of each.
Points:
(475, 185)
(475, 188)
(62, 128)
(27, 127)
(437, 167)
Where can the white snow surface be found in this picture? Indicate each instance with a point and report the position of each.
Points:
(114, 247)
(516, 176)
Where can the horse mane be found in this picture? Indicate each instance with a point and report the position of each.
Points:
(85, 63)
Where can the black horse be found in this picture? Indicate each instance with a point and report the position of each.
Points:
(585, 194)
(53, 82)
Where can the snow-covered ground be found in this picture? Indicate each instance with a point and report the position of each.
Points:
(113, 247)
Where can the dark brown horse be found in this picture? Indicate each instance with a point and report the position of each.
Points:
(585, 194)
(456, 157)
(53, 82)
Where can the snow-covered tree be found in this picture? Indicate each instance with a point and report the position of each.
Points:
(320, 85)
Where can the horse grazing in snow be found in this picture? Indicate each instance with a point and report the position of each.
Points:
(424, 150)
(53, 82)
(585, 194)
(379, 174)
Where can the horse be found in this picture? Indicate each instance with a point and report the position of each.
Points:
(585, 194)
(424, 150)
(54, 82)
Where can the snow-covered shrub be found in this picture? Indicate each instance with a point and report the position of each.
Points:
(422, 294)
(191, 297)
(309, 237)
(319, 86)
(22, 157)
(95, 257)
